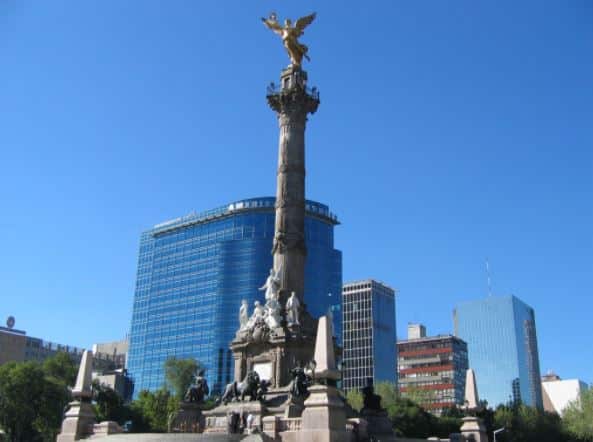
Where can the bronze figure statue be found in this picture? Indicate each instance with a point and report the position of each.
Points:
(290, 34)
(198, 390)
(236, 391)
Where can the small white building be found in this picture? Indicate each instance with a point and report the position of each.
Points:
(558, 393)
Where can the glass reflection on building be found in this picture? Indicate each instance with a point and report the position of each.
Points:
(193, 273)
(502, 348)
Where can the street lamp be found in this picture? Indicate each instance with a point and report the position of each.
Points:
(495, 432)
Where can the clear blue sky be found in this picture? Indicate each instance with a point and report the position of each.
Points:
(448, 132)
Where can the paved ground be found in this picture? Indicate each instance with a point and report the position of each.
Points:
(154, 437)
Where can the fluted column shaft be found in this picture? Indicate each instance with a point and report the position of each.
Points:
(292, 104)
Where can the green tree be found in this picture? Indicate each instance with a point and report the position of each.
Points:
(21, 387)
(420, 396)
(528, 424)
(61, 367)
(408, 418)
(109, 406)
(54, 399)
(150, 412)
(31, 402)
(354, 398)
(179, 374)
(578, 416)
(388, 392)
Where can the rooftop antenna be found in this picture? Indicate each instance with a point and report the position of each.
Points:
(488, 277)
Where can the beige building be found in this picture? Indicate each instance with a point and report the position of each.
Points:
(12, 345)
(16, 346)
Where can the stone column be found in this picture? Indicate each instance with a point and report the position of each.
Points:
(292, 102)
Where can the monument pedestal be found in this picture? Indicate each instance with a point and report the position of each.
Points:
(324, 418)
(473, 430)
(188, 419)
(218, 419)
(272, 353)
(78, 422)
(378, 424)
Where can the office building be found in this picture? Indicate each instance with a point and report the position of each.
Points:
(193, 273)
(502, 348)
(369, 336)
(115, 351)
(432, 369)
(558, 393)
(16, 346)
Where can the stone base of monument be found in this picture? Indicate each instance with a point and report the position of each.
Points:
(378, 424)
(324, 418)
(78, 422)
(273, 353)
(106, 428)
(220, 419)
(473, 430)
(188, 419)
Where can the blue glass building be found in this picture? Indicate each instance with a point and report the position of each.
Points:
(193, 273)
(369, 334)
(502, 348)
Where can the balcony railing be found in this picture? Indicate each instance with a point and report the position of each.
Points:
(275, 89)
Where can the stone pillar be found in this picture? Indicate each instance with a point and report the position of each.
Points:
(292, 102)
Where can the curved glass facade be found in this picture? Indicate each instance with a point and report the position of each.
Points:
(193, 273)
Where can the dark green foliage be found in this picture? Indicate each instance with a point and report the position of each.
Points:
(61, 367)
(32, 400)
(109, 406)
(528, 424)
(152, 410)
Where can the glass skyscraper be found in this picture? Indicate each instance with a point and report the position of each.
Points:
(193, 273)
(502, 349)
(369, 335)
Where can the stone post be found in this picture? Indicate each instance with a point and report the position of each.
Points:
(80, 418)
(292, 102)
(324, 417)
(473, 430)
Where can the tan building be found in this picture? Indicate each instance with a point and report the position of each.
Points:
(16, 346)
(12, 345)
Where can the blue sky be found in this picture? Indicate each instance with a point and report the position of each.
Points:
(448, 132)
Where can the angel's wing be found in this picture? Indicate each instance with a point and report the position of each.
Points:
(303, 22)
(273, 25)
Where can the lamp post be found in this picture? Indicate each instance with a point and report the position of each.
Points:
(495, 432)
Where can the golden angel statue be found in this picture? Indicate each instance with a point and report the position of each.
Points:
(290, 34)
